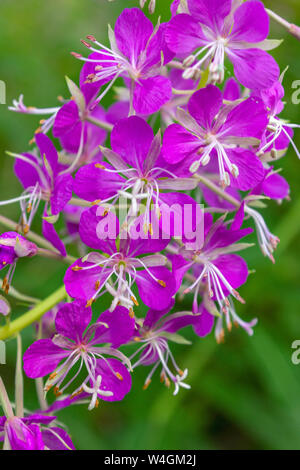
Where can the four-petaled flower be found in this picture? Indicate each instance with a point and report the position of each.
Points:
(76, 343)
(222, 28)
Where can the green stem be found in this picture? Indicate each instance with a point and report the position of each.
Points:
(278, 18)
(53, 254)
(39, 385)
(33, 315)
(98, 123)
(290, 27)
(19, 380)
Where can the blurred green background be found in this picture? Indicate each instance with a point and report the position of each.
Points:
(246, 392)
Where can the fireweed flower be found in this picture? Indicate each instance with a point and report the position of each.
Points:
(33, 433)
(136, 172)
(42, 179)
(154, 335)
(222, 132)
(105, 377)
(220, 147)
(71, 125)
(135, 54)
(225, 28)
(121, 264)
(214, 265)
(12, 247)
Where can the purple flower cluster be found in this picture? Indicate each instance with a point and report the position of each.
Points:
(156, 193)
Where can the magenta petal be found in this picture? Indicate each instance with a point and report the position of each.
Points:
(221, 236)
(121, 327)
(272, 97)
(275, 187)
(132, 30)
(13, 245)
(162, 46)
(178, 144)
(118, 110)
(247, 119)
(155, 48)
(152, 293)
(94, 135)
(70, 141)
(151, 94)
(173, 324)
(81, 284)
(203, 323)
(210, 12)
(131, 139)
(254, 68)
(231, 90)
(251, 170)
(25, 172)
(72, 319)
(92, 182)
(183, 218)
(7, 255)
(48, 151)
(205, 104)
(184, 34)
(234, 269)
(61, 193)
(99, 231)
(110, 381)
(153, 316)
(141, 243)
(179, 82)
(38, 418)
(239, 217)
(42, 358)
(56, 438)
(251, 23)
(50, 234)
(179, 268)
(65, 119)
